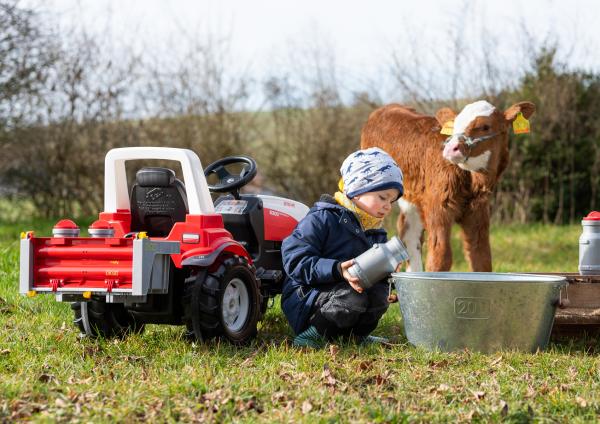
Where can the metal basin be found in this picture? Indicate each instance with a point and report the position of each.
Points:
(478, 311)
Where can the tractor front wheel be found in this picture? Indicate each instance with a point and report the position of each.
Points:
(224, 303)
(96, 318)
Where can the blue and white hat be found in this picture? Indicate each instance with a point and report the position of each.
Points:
(370, 170)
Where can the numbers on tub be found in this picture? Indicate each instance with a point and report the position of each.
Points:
(472, 307)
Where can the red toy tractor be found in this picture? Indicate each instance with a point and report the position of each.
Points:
(162, 252)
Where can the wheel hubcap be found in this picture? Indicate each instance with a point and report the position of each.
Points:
(235, 305)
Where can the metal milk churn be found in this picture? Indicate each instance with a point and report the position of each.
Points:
(379, 261)
(589, 245)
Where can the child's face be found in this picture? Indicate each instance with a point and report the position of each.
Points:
(377, 203)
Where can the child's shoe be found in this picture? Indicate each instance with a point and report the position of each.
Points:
(369, 340)
(309, 338)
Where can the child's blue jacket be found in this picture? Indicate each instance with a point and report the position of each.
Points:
(329, 234)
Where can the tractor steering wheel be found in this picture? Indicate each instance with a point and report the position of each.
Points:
(229, 182)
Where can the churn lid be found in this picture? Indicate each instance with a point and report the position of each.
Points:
(592, 216)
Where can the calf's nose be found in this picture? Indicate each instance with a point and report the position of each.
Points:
(453, 152)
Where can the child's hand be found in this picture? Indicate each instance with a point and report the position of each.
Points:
(353, 281)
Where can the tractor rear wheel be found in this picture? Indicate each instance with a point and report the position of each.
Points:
(96, 318)
(225, 303)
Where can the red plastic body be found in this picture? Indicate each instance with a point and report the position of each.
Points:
(278, 225)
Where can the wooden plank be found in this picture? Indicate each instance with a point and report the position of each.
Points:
(577, 316)
(582, 295)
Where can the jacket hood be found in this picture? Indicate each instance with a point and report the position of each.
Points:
(327, 201)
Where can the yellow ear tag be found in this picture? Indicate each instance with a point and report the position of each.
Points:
(341, 184)
(521, 124)
(448, 128)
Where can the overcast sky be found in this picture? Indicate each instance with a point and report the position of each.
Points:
(360, 33)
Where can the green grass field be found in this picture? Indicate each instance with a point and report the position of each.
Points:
(49, 373)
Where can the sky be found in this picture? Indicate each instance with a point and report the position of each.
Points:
(361, 34)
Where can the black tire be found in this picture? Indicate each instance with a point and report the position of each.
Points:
(234, 283)
(106, 320)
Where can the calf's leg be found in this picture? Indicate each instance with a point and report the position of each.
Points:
(476, 236)
(439, 251)
(410, 231)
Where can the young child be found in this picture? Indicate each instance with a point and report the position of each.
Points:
(321, 300)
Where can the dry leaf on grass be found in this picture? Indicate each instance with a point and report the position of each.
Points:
(496, 361)
(250, 404)
(572, 372)
(531, 393)
(470, 415)
(285, 376)
(438, 364)
(565, 387)
(278, 397)
(22, 409)
(250, 359)
(379, 379)
(382, 378)
(327, 378)
(60, 403)
(365, 365)
(478, 395)
(46, 378)
(439, 389)
(72, 380)
(213, 400)
(306, 407)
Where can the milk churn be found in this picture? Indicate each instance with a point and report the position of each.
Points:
(379, 261)
(589, 245)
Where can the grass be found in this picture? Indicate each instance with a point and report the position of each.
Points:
(49, 373)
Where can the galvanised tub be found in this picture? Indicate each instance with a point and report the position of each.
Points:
(478, 311)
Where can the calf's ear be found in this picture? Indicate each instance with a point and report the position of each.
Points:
(526, 108)
(444, 115)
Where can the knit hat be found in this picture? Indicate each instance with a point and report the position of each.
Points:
(370, 170)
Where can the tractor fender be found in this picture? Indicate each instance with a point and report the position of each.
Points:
(204, 260)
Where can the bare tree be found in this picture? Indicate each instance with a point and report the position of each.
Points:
(25, 56)
(312, 129)
(56, 158)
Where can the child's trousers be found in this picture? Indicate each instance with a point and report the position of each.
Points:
(342, 311)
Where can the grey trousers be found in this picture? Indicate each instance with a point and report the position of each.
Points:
(342, 311)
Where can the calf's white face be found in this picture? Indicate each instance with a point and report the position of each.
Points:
(453, 152)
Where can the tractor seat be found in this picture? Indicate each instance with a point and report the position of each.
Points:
(158, 201)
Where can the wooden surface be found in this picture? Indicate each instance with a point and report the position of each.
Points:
(582, 309)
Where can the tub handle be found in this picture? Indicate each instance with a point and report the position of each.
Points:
(565, 302)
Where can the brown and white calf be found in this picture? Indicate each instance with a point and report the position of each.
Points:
(445, 183)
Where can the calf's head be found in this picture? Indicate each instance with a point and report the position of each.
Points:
(479, 140)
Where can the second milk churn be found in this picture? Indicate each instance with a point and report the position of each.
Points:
(589, 245)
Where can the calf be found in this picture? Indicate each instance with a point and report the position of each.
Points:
(446, 180)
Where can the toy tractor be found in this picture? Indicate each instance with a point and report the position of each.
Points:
(163, 253)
